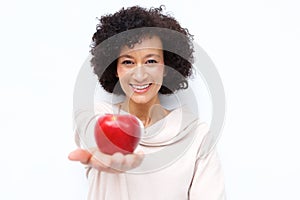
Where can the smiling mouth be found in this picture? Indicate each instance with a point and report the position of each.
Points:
(140, 87)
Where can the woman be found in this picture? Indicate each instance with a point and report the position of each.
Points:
(172, 161)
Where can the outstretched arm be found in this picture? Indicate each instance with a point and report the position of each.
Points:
(116, 163)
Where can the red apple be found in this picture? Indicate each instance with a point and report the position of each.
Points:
(117, 133)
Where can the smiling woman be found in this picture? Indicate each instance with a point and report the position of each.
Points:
(108, 42)
(172, 160)
(141, 70)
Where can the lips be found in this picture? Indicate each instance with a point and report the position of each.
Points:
(140, 87)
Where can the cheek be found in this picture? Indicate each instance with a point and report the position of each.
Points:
(120, 71)
(159, 74)
(120, 75)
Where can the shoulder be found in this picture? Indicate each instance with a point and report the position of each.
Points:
(203, 139)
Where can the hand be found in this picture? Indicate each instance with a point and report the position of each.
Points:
(116, 163)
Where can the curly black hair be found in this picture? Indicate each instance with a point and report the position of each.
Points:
(106, 45)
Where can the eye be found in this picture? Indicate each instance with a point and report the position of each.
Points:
(151, 61)
(127, 62)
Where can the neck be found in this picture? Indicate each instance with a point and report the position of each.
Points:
(141, 111)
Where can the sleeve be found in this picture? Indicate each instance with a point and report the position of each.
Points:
(208, 180)
(84, 121)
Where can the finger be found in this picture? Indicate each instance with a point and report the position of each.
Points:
(102, 162)
(138, 158)
(102, 158)
(129, 161)
(133, 160)
(80, 155)
(95, 163)
(117, 161)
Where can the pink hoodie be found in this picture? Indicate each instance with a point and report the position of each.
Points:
(180, 162)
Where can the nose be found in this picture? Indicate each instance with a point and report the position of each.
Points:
(139, 74)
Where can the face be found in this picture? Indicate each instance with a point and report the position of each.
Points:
(141, 69)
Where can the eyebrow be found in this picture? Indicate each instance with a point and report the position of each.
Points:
(152, 55)
(147, 56)
(125, 56)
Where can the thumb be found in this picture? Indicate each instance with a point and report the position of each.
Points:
(80, 155)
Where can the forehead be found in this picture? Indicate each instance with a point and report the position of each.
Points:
(147, 43)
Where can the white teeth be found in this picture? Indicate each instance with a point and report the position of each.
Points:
(140, 87)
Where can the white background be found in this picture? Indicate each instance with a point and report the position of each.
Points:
(255, 46)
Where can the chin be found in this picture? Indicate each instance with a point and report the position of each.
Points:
(140, 100)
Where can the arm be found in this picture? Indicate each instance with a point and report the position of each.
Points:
(88, 154)
(115, 163)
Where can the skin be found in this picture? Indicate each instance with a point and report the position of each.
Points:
(116, 163)
(140, 70)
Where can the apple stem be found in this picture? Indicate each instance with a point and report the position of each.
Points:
(119, 110)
